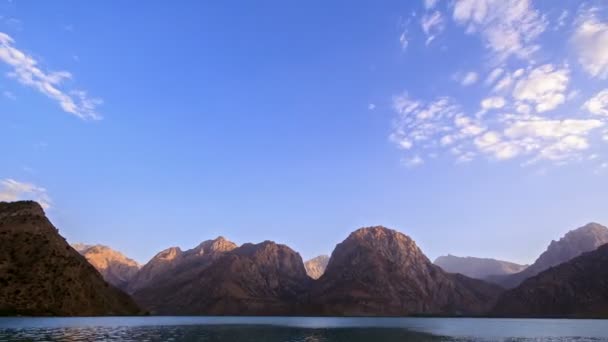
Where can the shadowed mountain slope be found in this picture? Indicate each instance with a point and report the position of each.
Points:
(478, 268)
(577, 288)
(41, 274)
(571, 245)
(254, 279)
(379, 271)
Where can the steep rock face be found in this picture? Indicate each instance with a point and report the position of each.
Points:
(159, 265)
(260, 279)
(40, 274)
(478, 268)
(378, 271)
(115, 268)
(577, 288)
(172, 262)
(315, 267)
(573, 244)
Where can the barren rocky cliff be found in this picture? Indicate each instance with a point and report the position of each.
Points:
(173, 264)
(316, 266)
(576, 242)
(254, 279)
(375, 271)
(379, 271)
(478, 268)
(577, 288)
(41, 274)
(115, 268)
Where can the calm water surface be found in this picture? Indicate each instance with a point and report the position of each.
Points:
(299, 329)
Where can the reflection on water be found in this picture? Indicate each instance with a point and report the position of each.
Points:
(215, 333)
(298, 329)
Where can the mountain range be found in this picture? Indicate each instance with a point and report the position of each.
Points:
(42, 275)
(577, 288)
(478, 268)
(375, 271)
(576, 242)
(115, 268)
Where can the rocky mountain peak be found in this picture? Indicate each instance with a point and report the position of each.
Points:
(388, 243)
(41, 274)
(219, 244)
(114, 266)
(168, 254)
(20, 208)
(576, 288)
(382, 271)
(263, 278)
(572, 244)
(316, 266)
(590, 233)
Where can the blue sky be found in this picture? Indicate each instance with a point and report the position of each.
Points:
(478, 127)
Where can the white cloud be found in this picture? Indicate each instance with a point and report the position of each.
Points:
(403, 41)
(469, 78)
(504, 84)
(543, 128)
(495, 102)
(591, 42)
(494, 75)
(507, 27)
(468, 127)
(371, 106)
(465, 157)
(528, 104)
(561, 20)
(429, 4)
(544, 87)
(414, 161)
(598, 104)
(9, 95)
(564, 148)
(432, 25)
(26, 70)
(418, 122)
(491, 143)
(552, 139)
(543, 139)
(441, 125)
(523, 108)
(487, 139)
(12, 190)
(446, 140)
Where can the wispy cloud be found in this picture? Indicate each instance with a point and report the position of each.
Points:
(529, 108)
(598, 104)
(27, 71)
(591, 42)
(413, 161)
(442, 125)
(432, 25)
(509, 28)
(12, 190)
(466, 79)
(9, 95)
